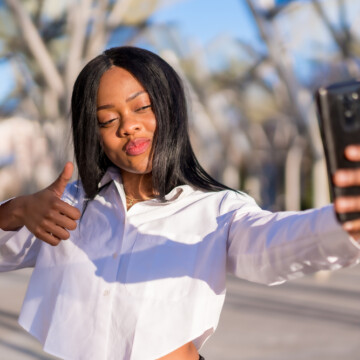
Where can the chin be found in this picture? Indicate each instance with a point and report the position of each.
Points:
(138, 171)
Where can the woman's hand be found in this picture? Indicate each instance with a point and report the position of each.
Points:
(43, 213)
(344, 178)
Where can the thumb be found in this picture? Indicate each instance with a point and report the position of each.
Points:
(58, 186)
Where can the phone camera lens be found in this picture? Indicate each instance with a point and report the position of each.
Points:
(348, 113)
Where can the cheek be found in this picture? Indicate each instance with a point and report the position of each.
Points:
(112, 147)
(153, 124)
(108, 141)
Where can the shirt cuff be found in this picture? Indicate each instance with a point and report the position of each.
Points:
(349, 238)
(4, 234)
(5, 201)
(355, 242)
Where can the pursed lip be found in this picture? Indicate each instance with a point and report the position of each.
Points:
(137, 146)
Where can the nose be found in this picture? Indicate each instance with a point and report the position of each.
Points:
(129, 125)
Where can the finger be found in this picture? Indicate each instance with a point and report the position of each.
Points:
(352, 152)
(345, 204)
(57, 232)
(62, 220)
(47, 237)
(49, 226)
(345, 178)
(68, 210)
(355, 235)
(353, 228)
(58, 186)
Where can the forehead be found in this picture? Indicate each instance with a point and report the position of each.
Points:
(118, 82)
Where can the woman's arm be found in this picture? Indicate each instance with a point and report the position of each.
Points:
(274, 247)
(271, 248)
(26, 221)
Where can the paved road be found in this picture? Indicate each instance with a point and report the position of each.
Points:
(313, 318)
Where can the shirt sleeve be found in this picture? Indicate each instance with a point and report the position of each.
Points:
(271, 248)
(18, 249)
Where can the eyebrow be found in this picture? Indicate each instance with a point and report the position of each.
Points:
(131, 97)
(102, 107)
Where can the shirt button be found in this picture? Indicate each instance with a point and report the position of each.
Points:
(115, 255)
(106, 293)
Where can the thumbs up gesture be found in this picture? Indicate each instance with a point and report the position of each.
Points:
(43, 213)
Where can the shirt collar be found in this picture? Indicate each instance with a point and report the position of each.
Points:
(113, 174)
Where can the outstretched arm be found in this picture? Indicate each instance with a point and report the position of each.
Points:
(275, 247)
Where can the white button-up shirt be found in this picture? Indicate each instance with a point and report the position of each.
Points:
(138, 284)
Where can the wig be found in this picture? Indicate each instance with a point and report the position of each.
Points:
(174, 162)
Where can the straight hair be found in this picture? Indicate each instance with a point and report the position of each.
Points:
(174, 162)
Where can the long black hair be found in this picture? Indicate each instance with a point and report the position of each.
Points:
(174, 162)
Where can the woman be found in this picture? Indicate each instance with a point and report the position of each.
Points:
(145, 238)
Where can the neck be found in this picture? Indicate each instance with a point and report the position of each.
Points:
(137, 186)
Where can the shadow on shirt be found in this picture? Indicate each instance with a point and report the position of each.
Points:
(150, 263)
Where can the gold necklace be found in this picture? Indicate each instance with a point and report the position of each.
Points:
(131, 201)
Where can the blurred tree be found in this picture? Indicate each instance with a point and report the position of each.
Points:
(253, 120)
(254, 112)
(47, 43)
(281, 27)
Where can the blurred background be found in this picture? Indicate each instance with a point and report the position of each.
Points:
(250, 68)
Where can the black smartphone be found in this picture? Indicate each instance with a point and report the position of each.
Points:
(338, 107)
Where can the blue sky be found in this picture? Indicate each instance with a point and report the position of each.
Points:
(7, 83)
(203, 20)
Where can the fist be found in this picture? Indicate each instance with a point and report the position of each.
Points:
(344, 178)
(48, 217)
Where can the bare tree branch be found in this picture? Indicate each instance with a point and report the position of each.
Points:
(78, 16)
(37, 47)
(99, 33)
(116, 16)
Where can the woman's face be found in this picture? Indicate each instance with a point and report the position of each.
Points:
(126, 121)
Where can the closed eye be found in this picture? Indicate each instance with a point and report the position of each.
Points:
(106, 123)
(143, 108)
